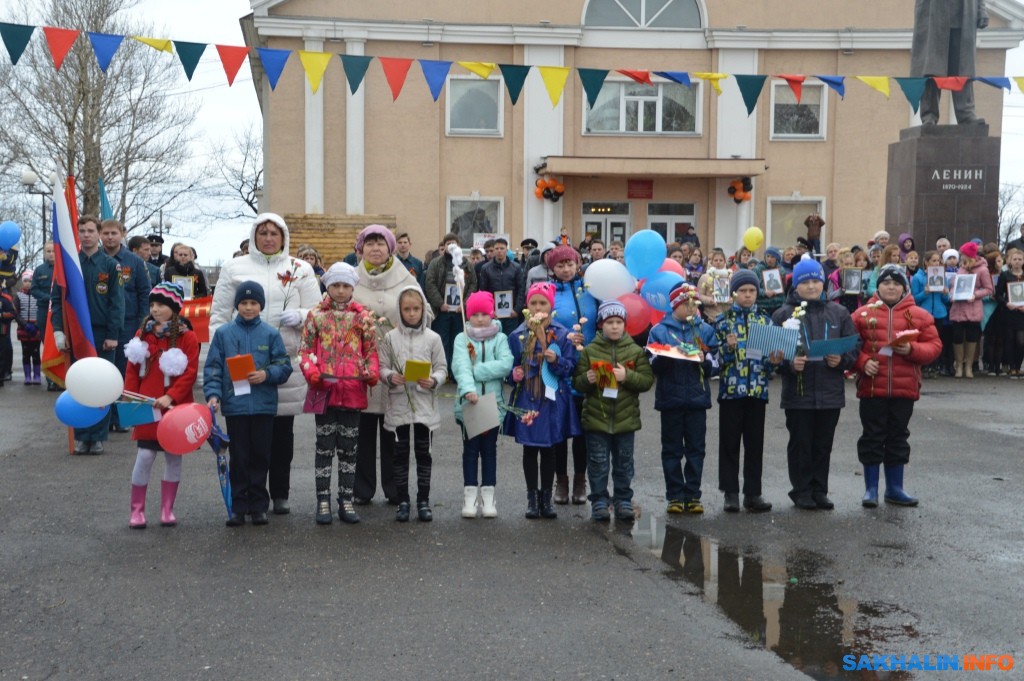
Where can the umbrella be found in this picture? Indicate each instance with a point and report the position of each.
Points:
(218, 441)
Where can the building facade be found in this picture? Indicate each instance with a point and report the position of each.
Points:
(659, 155)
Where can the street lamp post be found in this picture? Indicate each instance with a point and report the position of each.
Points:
(29, 179)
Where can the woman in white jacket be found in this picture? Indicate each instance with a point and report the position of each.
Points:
(292, 290)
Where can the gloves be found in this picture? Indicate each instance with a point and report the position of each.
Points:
(31, 329)
(60, 340)
(291, 318)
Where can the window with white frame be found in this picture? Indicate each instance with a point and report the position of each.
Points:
(636, 108)
(468, 215)
(474, 106)
(643, 14)
(786, 218)
(803, 121)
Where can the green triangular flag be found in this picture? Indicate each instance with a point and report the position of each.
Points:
(593, 81)
(189, 54)
(514, 75)
(16, 37)
(750, 89)
(355, 66)
(913, 89)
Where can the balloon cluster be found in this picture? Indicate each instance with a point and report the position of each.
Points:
(740, 189)
(549, 188)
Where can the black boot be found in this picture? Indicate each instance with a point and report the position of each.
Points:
(546, 509)
(531, 504)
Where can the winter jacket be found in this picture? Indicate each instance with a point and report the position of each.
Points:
(414, 265)
(26, 313)
(818, 386)
(903, 251)
(934, 303)
(682, 384)
(246, 337)
(971, 311)
(343, 340)
(136, 284)
(173, 269)
(288, 284)
(485, 373)
(1012, 318)
(505, 276)
(620, 414)
(440, 274)
(104, 294)
(765, 303)
(378, 293)
(898, 375)
(410, 403)
(148, 379)
(573, 302)
(42, 280)
(557, 419)
(741, 377)
(835, 292)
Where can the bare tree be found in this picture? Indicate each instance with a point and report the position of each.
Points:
(125, 125)
(1011, 213)
(237, 183)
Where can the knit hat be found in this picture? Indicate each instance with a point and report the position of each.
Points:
(26, 275)
(970, 249)
(774, 252)
(544, 288)
(682, 293)
(376, 230)
(875, 247)
(340, 273)
(609, 309)
(559, 254)
(894, 273)
(808, 269)
(169, 294)
(481, 302)
(950, 253)
(742, 278)
(250, 290)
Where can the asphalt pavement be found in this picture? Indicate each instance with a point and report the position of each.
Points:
(781, 595)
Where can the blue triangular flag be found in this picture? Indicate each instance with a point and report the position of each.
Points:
(435, 72)
(16, 37)
(105, 45)
(355, 66)
(834, 82)
(273, 63)
(681, 77)
(995, 81)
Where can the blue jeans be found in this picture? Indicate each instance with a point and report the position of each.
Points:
(683, 432)
(618, 449)
(485, 448)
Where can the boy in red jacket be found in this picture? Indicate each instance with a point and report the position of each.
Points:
(899, 338)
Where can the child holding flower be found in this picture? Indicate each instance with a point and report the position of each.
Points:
(544, 357)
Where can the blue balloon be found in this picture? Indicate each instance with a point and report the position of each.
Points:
(657, 288)
(645, 253)
(76, 415)
(10, 234)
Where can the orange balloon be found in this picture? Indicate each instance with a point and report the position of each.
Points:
(538, 192)
(560, 188)
(541, 182)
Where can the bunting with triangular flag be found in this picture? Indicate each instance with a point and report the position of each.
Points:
(880, 83)
(996, 82)
(189, 54)
(681, 77)
(515, 76)
(355, 66)
(395, 71)
(59, 40)
(231, 58)
(16, 37)
(315, 64)
(951, 83)
(913, 89)
(435, 73)
(104, 45)
(554, 78)
(1019, 80)
(642, 77)
(836, 83)
(273, 63)
(796, 84)
(593, 81)
(713, 78)
(158, 44)
(483, 69)
(750, 89)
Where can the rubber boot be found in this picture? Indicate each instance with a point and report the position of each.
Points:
(487, 496)
(531, 504)
(137, 520)
(958, 360)
(469, 501)
(969, 350)
(546, 509)
(894, 493)
(870, 499)
(27, 368)
(37, 378)
(561, 489)
(579, 489)
(168, 490)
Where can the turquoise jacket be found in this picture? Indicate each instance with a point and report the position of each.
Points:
(484, 375)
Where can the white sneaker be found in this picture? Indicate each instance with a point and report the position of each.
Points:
(469, 503)
(487, 495)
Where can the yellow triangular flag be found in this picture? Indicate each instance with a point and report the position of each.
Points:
(712, 78)
(480, 68)
(160, 44)
(314, 64)
(880, 83)
(554, 80)
(1019, 80)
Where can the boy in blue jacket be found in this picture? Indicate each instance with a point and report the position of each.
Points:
(249, 415)
(683, 396)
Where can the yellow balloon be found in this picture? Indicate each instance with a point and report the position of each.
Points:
(753, 238)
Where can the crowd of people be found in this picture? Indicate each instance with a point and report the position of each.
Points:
(366, 344)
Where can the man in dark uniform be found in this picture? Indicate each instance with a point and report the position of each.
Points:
(42, 280)
(139, 245)
(156, 250)
(105, 296)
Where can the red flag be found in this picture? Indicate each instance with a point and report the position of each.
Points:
(231, 57)
(639, 76)
(952, 83)
(59, 41)
(395, 71)
(796, 84)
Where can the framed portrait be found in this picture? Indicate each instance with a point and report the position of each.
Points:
(1015, 292)
(451, 295)
(963, 287)
(187, 283)
(853, 280)
(721, 293)
(772, 281)
(503, 304)
(936, 282)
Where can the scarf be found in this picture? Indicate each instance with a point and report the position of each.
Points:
(481, 334)
(373, 271)
(157, 329)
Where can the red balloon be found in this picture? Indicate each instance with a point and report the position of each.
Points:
(671, 265)
(638, 313)
(656, 316)
(184, 429)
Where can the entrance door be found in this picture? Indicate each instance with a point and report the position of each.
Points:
(609, 221)
(671, 220)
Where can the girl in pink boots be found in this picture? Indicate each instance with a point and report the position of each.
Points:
(163, 361)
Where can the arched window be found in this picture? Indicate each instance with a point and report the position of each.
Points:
(642, 14)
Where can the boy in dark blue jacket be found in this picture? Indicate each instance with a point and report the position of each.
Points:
(683, 396)
(249, 412)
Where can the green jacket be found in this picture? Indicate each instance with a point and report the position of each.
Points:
(620, 414)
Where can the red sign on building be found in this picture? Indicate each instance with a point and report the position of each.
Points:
(640, 189)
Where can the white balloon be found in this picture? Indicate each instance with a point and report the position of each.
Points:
(94, 382)
(607, 279)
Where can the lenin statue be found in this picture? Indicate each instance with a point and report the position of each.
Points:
(945, 33)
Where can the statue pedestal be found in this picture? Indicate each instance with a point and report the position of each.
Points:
(943, 180)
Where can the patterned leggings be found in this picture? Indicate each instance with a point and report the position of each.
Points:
(337, 432)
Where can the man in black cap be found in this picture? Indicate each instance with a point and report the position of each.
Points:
(526, 246)
(156, 248)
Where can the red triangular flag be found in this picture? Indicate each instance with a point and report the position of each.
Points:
(59, 41)
(952, 83)
(796, 84)
(232, 56)
(639, 76)
(395, 71)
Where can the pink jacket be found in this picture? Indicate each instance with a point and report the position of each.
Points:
(971, 311)
(340, 341)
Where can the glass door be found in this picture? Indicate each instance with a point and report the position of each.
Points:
(673, 221)
(607, 221)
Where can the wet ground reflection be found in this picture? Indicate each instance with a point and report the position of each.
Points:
(788, 607)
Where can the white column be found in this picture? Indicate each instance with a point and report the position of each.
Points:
(736, 138)
(314, 142)
(543, 135)
(355, 137)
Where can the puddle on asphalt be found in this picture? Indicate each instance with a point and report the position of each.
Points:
(789, 608)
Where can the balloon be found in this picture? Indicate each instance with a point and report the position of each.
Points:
(657, 316)
(555, 197)
(560, 188)
(606, 279)
(184, 429)
(671, 265)
(645, 252)
(10, 234)
(540, 183)
(539, 193)
(731, 190)
(638, 313)
(753, 238)
(657, 289)
(76, 415)
(547, 193)
(94, 382)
